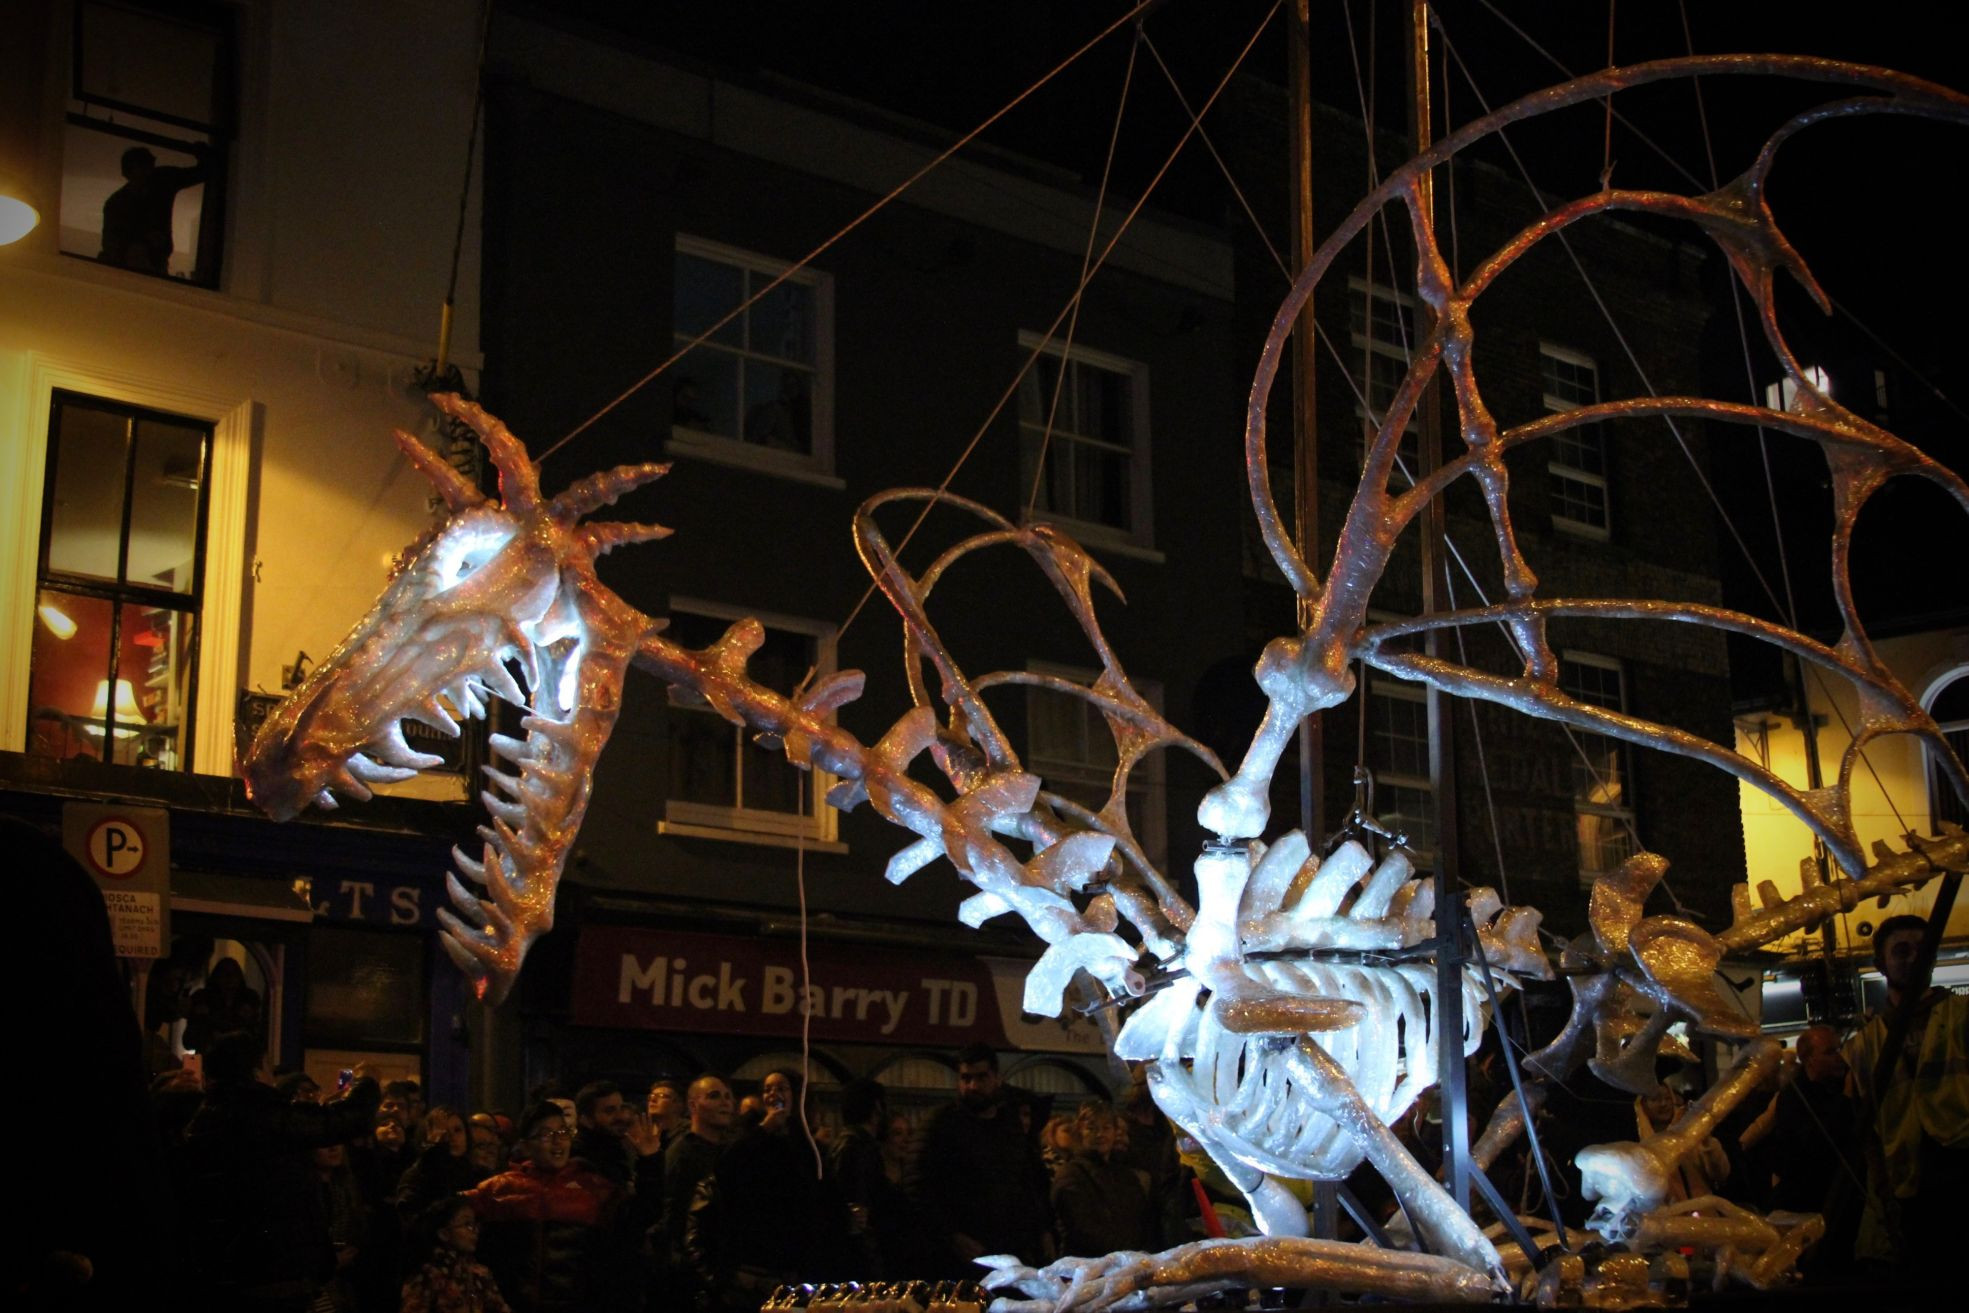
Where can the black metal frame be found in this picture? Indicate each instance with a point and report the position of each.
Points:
(122, 592)
(221, 21)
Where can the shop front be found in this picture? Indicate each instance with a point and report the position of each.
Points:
(319, 939)
(646, 1002)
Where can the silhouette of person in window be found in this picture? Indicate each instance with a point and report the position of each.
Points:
(137, 215)
(782, 422)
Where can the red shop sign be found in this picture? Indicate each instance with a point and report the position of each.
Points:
(628, 976)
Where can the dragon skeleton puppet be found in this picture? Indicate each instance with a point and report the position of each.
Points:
(1286, 1018)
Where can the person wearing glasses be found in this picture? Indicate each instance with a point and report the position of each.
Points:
(550, 1228)
(450, 1279)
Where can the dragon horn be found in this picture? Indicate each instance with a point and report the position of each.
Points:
(602, 489)
(519, 481)
(454, 487)
(605, 538)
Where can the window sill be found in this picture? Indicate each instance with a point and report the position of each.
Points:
(761, 838)
(1100, 538)
(760, 460)
(1585, 532)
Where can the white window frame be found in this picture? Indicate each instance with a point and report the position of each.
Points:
(1148, 782)
(819, 828)
(1363, 293)
(1139, 535)
(1942, 803)
(816, 466)
(220, 674)
(1561, 470)
(1626, 814)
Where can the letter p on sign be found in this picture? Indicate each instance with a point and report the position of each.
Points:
(115, 848)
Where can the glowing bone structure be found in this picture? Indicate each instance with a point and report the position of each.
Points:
(1271, 1028)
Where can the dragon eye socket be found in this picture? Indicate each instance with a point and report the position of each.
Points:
(464, 550)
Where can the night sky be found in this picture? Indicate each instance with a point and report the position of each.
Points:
(1861, 201)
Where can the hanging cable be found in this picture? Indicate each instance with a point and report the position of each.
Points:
(1606, 148)
(1100, 261)
(441, 364)
(1203, 135)
(806, 983)
(1647, 384)
(1086, 256)
(849, 227)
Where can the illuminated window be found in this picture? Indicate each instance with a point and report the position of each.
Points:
(122, 558)
(1381, 329)
(1096, 456)
(1785, 394)
(1602, 776)
(721, 783)
(1578, 460)
(759, 391)
(1948, 703)
(144, 148)
(1071, 748)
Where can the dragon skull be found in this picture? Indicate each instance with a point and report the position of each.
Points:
(500, 600)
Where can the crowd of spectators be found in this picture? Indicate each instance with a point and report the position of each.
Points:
(361, 1199)
(287, 1196)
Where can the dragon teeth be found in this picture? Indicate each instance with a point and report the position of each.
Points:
(392, 748)
(376, 773)
(474, 871)
(326, 801)
(510, 812)
(510, 783)
(465, 901)
(346, 781)
(500, 681)
(430, 712)
(512, 749)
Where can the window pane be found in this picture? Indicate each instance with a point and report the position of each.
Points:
(702, 757)
(1579, 501)
(1599, 777)
(89, 458)
(705, 291)
(157, 647)
(69, 658)
(706, 393)
(1100, 483)
(1055, 730)
(1604, 842)
(771, 783)
(148, 61)
(778, 407)
(71, 682)
(1104, 405)
(1410, 811)
(781, 323)
(1036, 393)
(169, 468)
(147, 220)
(365, 987)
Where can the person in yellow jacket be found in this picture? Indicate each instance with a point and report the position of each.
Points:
(1920, 1115)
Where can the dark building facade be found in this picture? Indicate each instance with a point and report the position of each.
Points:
(633, 200)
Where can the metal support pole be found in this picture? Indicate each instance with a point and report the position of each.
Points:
(1305, 466)
(1448, 1002)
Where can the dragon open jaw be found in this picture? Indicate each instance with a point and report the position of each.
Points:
(499, 602)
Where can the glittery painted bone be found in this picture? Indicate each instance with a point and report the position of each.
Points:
(1251, 1053)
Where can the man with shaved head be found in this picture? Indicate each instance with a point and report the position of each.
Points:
(690, 1158)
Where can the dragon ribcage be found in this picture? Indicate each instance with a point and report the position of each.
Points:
(1237, 1091)
(1261, 978)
